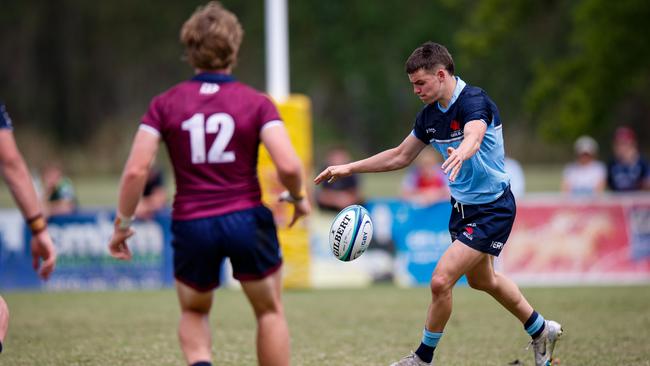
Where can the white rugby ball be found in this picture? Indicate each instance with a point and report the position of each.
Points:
(350, 233)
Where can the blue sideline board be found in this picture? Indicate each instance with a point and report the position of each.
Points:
(420, 235)
(83, 260)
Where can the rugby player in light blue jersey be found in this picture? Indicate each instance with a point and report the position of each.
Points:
(463, 124)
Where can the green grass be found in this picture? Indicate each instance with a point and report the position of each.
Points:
(370, 326)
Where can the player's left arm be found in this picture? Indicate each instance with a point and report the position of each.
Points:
(134, 178)
(473, 134)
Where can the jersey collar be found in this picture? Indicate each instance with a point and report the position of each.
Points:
(213, 77)
(460, 85)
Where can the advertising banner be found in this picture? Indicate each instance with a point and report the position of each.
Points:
(419, 233)
(83, 260)
(563, 242)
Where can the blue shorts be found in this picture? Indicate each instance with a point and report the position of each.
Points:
(484, 227)
(248, 237)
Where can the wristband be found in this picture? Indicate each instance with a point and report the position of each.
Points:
(287, 197)
(122, 222)
(37, 224)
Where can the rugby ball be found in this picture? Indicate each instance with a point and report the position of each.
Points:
(350, 233)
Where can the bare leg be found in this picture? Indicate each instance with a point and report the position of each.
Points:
(4, 319)
(194, 327)
(501, 288)
(272, 330)
(456, 261)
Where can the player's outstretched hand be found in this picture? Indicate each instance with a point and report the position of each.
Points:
(452, 165)
(332, 173)
(117, 246)
(43, 254)
(301, 207)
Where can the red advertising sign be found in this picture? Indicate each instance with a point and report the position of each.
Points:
(569, 242)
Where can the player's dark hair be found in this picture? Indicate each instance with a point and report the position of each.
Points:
(429, 56)
(212, 36)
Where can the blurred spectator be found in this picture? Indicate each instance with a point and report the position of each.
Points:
(58, 192)
(586, 175)
(344, 191)
(517, 178)
(425, 183)
(627, 171)
(154, 196)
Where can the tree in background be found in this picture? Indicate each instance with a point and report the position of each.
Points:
(572, 67)
(78, 74)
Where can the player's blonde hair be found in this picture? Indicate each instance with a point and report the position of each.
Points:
(212, 36)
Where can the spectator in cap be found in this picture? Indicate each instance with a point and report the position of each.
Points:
(627, 171)
(585, 176)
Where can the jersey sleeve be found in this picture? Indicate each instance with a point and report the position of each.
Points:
(476, 107)
(5, 120)
(419, 130)
(152, 120)
(268, 113)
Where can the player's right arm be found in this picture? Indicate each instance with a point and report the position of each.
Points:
(288, 165)
(387, 160)
(134, 178)
(16, 174)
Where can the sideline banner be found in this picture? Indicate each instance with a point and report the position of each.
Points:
(83, 260)
(420, 235)
(408, 240)
(556, 240)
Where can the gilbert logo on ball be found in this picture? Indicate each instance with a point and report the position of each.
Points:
(350, 233)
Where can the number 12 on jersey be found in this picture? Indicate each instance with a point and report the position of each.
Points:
(220, 123)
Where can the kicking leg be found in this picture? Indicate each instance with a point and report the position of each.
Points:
(483, 277)
(272, 330)
(194, 327)
(544, 333)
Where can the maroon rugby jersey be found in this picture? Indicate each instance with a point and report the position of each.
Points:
(211, 125)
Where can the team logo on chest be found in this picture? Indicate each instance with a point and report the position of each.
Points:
(455, 128)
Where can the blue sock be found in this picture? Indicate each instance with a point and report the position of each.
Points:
(429, 343)
(202, 363)
(0, 347)
(535, 324)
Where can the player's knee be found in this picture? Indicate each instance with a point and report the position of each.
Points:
(266, 307)
(482, 284)
(440, 284)
(200, 307)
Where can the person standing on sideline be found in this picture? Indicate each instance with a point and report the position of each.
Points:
(586, 176)
(627, 171)
(463, 124)
(212, 126)
(15, 172)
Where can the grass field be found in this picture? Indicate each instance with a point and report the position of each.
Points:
(370, 326)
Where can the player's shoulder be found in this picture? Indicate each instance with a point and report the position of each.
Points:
(474, 96)
(472, 93)
(253, 94)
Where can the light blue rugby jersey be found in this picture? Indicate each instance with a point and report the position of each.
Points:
(482, 178)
